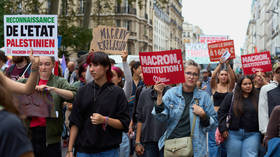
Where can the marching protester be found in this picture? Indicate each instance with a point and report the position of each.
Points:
(70, 73)
(46, 132)
(222, 82)
(117, 79)
(137, 83)
(189, 113)
(259, 80)
(100, 113)
(272, 140)
(206, 82)
(264, 108)
(242, 133)
(3, 60)
(19, 69)
(149, 130)
(14, 140)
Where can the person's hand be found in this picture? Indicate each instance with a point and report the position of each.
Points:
(124, 56)
(224, 61)
(198, 110)
(42, 88)
(159, 87)
(97, 118)
(225, 134)
(69, 154)
(139, 149)
(34, 60)
(203, 88)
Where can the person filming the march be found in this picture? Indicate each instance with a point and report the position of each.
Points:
(189, 114)
(100, 113)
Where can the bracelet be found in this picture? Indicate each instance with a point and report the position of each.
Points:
(105, 123)
(138, 143)
(68, 151)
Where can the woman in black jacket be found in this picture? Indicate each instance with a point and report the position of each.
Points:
(242, 136)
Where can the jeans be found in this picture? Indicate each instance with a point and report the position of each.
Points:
(243, 144)
(151, 150)
(124, 146)
(214, 149)
(109, 153)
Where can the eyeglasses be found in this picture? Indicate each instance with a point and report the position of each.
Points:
(191, 74)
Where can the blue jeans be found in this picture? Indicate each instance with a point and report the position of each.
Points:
(109, 153)
(151, 150)
(214, 149)
(124, 146)
(243, 144)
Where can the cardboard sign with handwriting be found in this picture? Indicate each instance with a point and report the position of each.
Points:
(38, 104)
(111, 40)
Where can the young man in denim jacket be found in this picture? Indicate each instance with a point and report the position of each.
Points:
(178, 108)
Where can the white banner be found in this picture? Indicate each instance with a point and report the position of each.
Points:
(23, 32)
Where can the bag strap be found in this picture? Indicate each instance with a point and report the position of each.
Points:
(194, 119)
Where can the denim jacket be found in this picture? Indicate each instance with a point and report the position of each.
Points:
(174, 104)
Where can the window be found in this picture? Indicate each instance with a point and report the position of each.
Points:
(127, 24)
(82, 7)
(118, 23)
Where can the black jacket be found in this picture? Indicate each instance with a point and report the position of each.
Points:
(247, 121)
(273, 97)
(108, 100)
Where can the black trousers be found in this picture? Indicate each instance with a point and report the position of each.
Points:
(40, 147)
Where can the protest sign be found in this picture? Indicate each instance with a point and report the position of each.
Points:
(164, 66)
(23, 32)
(257, 62)
(197, 52)
(212, 38)
(111, 40)
(38, 104)
(217, 49)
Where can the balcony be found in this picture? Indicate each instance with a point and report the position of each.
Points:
(125, 10)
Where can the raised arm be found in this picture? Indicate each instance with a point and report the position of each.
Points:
(214, 76)
(127, 75)
(231, 77)
(20, 88)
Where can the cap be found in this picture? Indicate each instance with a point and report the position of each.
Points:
(276, 66)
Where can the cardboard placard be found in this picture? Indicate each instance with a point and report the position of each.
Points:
(38, 104)
(217, 49)
(23, 32)
(163, 66)
(257, 62)
(111, 40)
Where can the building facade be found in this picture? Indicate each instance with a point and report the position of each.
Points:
(263, 28)
(191, 33)
(161, 29)
(152, 27)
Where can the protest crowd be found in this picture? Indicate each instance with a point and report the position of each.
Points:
(92, 107)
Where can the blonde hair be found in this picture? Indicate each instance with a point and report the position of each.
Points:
(191, 62)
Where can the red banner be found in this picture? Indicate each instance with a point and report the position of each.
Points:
(217, 49)
(256, 62)
(164, 66)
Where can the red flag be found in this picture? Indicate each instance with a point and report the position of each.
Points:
(56, 68)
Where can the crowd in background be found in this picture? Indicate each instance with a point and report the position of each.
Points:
(104, 110)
